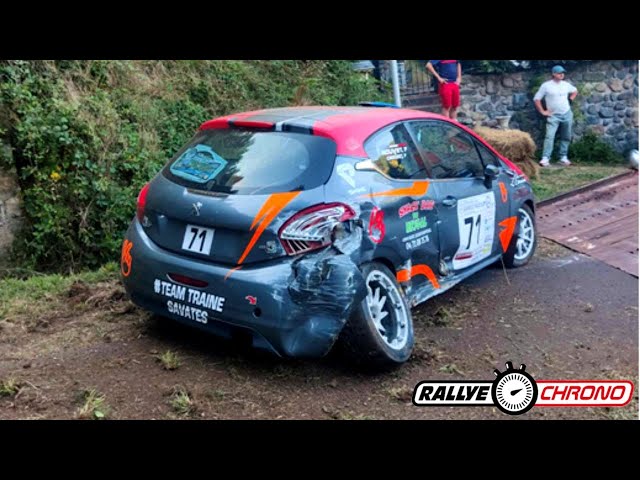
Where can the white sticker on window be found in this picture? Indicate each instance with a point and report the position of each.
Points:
(476, 226)
(395, 151)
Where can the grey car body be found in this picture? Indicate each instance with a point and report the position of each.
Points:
(295, 227)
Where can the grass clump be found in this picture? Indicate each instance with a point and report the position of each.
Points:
(9, 387)
(181, 401)
(169, 360)
(94, 406)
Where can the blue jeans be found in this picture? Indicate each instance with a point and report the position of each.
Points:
(564, 121)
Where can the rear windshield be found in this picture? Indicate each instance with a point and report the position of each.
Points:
(248, 162)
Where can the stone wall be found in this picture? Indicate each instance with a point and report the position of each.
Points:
(10, 212)
(607, 102)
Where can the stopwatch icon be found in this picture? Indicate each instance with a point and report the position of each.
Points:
(514, 391)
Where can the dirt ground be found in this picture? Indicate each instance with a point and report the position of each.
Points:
(94, 355)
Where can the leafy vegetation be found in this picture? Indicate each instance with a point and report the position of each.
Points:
(85, 136)
(591, 149)
(507, 66)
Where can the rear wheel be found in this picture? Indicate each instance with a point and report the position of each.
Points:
(523, 245)
(380, 330)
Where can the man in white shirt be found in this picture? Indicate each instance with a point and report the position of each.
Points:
(556, 93)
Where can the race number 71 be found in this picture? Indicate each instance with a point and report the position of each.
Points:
(473, 221)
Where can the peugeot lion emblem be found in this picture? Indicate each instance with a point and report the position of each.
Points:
(195, 208)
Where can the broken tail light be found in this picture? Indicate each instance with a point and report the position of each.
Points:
(313, 227)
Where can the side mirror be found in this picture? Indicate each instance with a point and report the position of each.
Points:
(370, 166)
(491, 172)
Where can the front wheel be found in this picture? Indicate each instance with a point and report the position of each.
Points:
(380, 330)
(523, 245)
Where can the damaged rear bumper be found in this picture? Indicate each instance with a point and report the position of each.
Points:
(293, 307)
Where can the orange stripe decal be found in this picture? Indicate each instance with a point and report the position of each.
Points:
(417, 189)
(125, 258)
(503, 192)
(269, 210)
(406, 275)
(508, 226)
(403, 276)
(230, 272)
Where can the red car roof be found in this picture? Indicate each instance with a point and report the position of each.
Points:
(349, 127)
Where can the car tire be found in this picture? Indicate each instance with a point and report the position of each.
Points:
(379, 333)
(523, 245)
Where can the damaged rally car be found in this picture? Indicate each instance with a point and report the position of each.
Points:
(297, 227)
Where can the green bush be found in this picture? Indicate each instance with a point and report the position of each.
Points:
(591, 149)
(86, 135)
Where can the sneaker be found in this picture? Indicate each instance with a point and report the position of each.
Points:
(544, 162)
(565, 161)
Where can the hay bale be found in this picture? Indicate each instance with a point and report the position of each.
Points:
(516, 145)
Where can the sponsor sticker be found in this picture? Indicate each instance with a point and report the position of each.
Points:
(199, 164)
(125, 258)
(517, 180)
(395, 151)
(251, 299)
(414, 206)
(416, 223)
(188, 302)
(415, 240)
(347, 173)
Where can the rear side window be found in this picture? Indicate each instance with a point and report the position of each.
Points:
(247, 162)
(394, 153)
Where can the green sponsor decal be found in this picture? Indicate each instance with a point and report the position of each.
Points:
(416, 223)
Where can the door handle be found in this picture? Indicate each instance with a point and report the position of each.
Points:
(450, 202)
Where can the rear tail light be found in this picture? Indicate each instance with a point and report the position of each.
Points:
(313, 227)
(142, 201)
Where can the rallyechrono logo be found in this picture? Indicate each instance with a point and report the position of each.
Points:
(515, 392)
